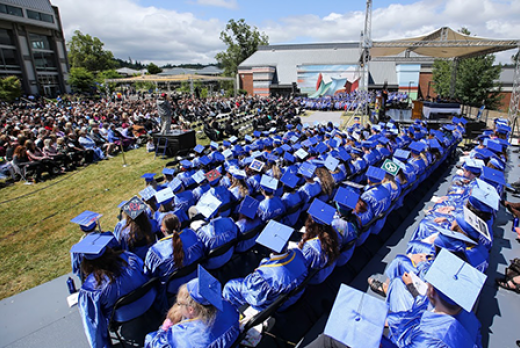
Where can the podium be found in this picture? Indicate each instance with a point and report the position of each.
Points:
(179, 141)
(417, 109)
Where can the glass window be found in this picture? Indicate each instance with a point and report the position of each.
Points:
(15, 11)
(46, 18)
(3, 8)
(45, 61)
(5, 37)
(33, 15)
(39, 42)
(11, 63)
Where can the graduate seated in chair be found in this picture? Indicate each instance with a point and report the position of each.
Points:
(275, 276)
(199, 319)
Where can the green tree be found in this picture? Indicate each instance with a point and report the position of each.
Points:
(475, 84)
(153, 69)
(81, 79)
(87, 52)
(241, 41)
(104, 75)
(10, 88)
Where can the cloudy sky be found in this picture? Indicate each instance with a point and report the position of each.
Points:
(187, 31)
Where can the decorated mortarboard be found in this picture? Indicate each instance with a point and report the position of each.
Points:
(164, 195)
(199, 177)
(199, 148)
(175, 185)
(493, 145)
(289, 179)
(186, 164)
(87, 220)
(168, 171)
(343, 154)
(233, 139)
(134, 207)
(249, 207)
(493, 175)
(213, 145)
(227, 153)
(301, 154)
(346, 197)
(208, 205)
(268, 183)
(256, 165)
(457, 281)
(147, 193)
(321, 212)
(92, 246)
(307, 169)
(148, 176)
(357, 319)
(248, 138)
(331, 163)
(390, 167)
(213, 175)
(275, 236)
(416, 147)
(375, 174)
(205, 289)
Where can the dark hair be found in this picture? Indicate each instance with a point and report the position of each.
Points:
(326, 180)
(327, 236)
(108, 265)
(481, 214)
(140, 230)
(172, 225)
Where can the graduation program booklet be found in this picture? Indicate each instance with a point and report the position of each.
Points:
(421, 286)
(254, 335)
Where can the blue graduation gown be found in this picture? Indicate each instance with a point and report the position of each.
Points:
(199, 191)
(186, 178)
(316, 258)
(159, 261)
(245, 225)
(223, 196)
(270, 208)
(140, 248)
(95, 301)
(290, 200)
(222, 333)
(378, 198)
(75, 259)
(274, 276)
(308, 192)
(347, 231)
(215, 233)
(422, 328)
(183, 200)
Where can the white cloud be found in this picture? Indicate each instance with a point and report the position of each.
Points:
(167, 36)
(231, 4)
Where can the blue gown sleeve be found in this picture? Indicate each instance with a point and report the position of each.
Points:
(257, 289)
(158, 339)
(94, 321)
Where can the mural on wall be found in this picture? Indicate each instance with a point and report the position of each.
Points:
(325, 80)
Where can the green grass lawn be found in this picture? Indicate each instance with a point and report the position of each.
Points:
(35, 232)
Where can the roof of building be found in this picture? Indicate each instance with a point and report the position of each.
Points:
(39, 5)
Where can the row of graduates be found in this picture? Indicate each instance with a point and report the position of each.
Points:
(431, 290)
(162, 212)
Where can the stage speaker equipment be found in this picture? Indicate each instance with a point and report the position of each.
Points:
(179, 142)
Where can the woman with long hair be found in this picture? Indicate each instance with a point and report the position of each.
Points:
(36, 155)
(178, 248)
(199, 319)
(108, 276)
(136, 235)
(320, 246)
(328, 185)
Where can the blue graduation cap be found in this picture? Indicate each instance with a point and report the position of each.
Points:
(313, 140)
(208, 205)
(199, 148)
(434, 144)
(299, 127)
(286, 148)
(248, 138)
(289, 179)
(307, 169)
(168, 171)
(257, 134)
(186, 164)
(383, 140)
(218, 157)
(455, 280)
(275, 236)
(294, 139)
(148, 177)
(456, 235)
(147, 193)
(268, 183)
(493, 145)
(206, 289)
(249, 207)
(213, 175)
(416, 147)
(289, 157)
(474, 165)
(321, 212)
(233, 139)
(375, 174)
(484, 153)
(357, 319)
(301, 154)
(331, 163)
(486, 194)
(321, 148)
(228, 153)
(164, 196)
(175, 185)
(343, 154)
(120, 205)
(239, 174)
(356, 150)
(493, 175)
(502, 129)
(346, 198)
(256, 165)
(226, 143)
(87, 220)
(92, 246)
(333, 143)
(199, 177)
(134, 207)
(455, 120)
(205, 160)
(503, 142)
(271, 158)
(213, 145)
(449, 127)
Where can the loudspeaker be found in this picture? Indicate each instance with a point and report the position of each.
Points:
(179, 142)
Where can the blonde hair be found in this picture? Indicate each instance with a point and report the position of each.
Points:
(205, 313)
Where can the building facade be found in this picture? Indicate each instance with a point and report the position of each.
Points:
(32, 46)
